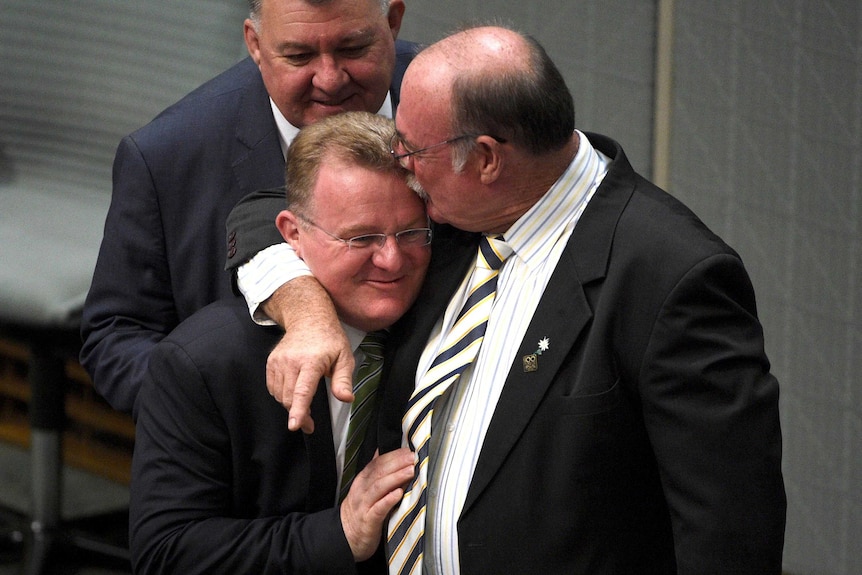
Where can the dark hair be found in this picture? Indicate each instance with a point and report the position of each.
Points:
(530, 106)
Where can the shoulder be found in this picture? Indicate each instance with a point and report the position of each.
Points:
(404, 54)
(211, 107)
(222, 334)
(216, 357)
(650, 218)
(406, 50)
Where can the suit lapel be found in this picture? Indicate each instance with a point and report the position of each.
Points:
(562, 314)
(258, 162)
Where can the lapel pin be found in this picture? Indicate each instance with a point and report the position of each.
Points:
(531, 361)
(544, 344)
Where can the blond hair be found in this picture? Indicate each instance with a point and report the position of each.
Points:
(359, 138)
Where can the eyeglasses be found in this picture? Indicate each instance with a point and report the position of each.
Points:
(412, 238)
(397, 142)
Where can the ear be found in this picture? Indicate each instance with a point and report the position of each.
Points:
(252, 40)
(490, 158)
(288, 224)
(395, 15)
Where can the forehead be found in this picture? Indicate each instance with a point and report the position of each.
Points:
(336, 17)
(424, 109)
(344, 188)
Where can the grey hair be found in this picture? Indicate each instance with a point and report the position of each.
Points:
(254, 8)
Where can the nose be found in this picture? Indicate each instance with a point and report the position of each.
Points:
(389, 256)
(330, 75)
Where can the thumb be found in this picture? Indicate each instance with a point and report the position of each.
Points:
(342, 378)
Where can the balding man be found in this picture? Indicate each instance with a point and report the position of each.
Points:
(617, 414)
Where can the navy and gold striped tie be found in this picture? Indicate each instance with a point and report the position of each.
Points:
(461, 345)
(365, 387)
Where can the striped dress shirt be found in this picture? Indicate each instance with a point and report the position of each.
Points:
(538, 239)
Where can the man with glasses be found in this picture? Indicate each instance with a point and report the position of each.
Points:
(402, 152)
(219, 484)
(177, 178)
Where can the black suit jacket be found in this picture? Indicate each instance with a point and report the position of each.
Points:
(648, 440)
(175, 181)
(219, 484)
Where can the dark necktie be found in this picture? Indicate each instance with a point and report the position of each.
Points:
(461, 345)
(365, 395)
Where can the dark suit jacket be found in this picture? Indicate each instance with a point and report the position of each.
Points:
(648, 440)
(175, 181)
(219, 485)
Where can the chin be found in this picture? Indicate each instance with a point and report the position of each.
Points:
(379, 319)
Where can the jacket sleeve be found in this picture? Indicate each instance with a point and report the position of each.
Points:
(711, 409)
(130, 306)
(183, 512)
(251, 226)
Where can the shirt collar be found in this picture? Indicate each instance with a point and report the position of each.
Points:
(534, 234)
(287, 131)
(354, 336)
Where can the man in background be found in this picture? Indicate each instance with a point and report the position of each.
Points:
(176, 179)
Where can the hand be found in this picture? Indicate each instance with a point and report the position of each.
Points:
(313, 345)
(374, 492)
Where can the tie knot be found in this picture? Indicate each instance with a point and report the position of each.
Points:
(493, 251)
(372, 344)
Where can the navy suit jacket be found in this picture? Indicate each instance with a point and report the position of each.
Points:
(175, 181)
(219, 484)
(648, 440)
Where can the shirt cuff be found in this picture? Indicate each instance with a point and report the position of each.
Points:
(263, 274)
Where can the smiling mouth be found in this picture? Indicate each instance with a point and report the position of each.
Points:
(333, 103)
(385, 283)
(329, 104)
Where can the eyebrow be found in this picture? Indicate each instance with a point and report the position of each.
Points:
(361, 230)
(359, 36)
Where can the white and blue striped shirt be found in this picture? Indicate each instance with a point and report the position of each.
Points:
(538, 239)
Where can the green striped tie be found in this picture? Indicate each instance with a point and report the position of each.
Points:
(365, 387)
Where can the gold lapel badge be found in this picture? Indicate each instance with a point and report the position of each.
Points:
(531, 361)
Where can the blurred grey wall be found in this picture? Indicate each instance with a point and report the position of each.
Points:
(604, 49)
(763, 139)
(767, 148)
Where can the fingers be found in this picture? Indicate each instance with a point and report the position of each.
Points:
(288, 384)
(300, 408)
(313, 344)
(376, 489)
(342, 376)
(373, 494)
(295, 367)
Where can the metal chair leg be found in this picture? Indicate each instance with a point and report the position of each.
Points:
(47, 421)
